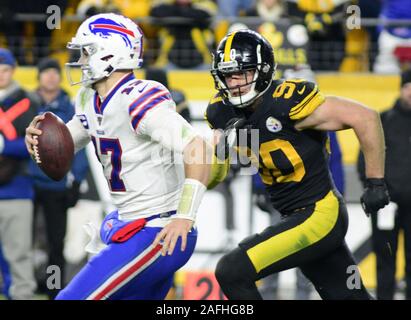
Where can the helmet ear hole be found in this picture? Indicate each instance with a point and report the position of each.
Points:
(265, 68)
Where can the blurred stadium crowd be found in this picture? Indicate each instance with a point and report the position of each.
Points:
(181, 33)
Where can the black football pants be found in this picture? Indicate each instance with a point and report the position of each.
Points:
(311, 239)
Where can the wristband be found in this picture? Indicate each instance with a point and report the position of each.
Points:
(191, 196)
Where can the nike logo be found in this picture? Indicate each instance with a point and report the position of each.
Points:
(301, 91)
(142, 89)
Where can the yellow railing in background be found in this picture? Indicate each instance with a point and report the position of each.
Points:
(377, 91)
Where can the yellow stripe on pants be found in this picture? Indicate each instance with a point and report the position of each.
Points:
(312, 230)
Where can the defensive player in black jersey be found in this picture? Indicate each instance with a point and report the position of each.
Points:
(292, 117)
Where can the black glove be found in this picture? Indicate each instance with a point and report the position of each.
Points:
(222, 149)
(375, 195)
(73, 194)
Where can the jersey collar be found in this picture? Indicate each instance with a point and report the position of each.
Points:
(100, 106)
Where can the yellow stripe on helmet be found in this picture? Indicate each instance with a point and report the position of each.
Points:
(227, 48)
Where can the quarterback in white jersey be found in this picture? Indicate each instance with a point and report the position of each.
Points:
(134, 129)
(138, 138)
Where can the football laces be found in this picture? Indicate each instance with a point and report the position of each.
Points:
(36, 152)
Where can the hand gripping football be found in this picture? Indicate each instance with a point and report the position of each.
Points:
(55, 150)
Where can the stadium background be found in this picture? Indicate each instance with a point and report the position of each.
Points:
(353, 80)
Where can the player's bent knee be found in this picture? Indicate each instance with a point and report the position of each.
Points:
(222, 271)
(233, 267)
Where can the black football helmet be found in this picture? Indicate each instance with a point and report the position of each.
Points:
(239, 52)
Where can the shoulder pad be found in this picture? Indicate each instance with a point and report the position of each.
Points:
(139, 87)
(213, 112)
(301, 96)
(145, 96)
(215, 99)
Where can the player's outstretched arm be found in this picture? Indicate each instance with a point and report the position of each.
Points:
(197, 158)
(197, 155)
(338, 113)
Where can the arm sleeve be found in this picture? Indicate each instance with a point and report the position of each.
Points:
(168, 128)
(77, 125)
(78, 133)
(153, 114)
(218, 173)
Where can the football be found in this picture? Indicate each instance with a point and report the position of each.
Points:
(55, 150)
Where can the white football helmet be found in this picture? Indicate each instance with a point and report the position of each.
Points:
(107, 42)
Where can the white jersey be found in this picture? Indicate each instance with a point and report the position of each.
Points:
(134, 131)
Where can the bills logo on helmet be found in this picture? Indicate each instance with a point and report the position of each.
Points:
(106, 27)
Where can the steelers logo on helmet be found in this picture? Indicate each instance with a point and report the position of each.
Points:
(242, 52)
(273, 124)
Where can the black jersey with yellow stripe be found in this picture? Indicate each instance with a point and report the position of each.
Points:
(292, 164)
